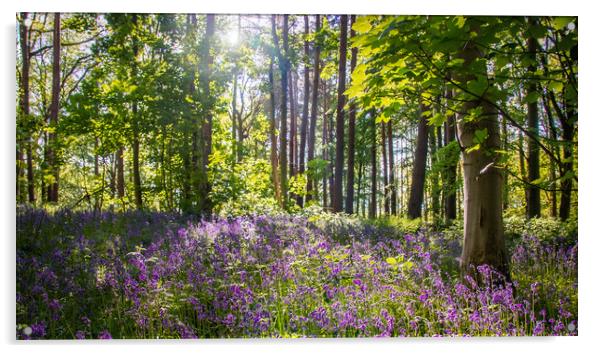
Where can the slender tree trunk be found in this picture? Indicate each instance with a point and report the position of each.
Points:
(135, 127)
(450, 170)
(392, 186)
(373, 161)
(385, 166)
(24, 142)
(419, 170)
(351, 134)
(566, 185)
(120, 174)
(484, 241)
(533, 198)
(305, 114)
(314, 111)
(53, 190)
(337, 201)
(293, 133)
(205, 204)
(331, 162)
(284, 67)
(434, 175)
(521, 164)
(553, 136)
(273, 140)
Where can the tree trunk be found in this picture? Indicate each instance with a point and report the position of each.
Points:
(205, 205)
(450, 171)
(484, 241)
(386, 186)
(273, 140)
(434, 175)
(392, 186)
(292, 168)
(25, 65)
(284, 67)
(337, 201)
(135, 126)
(351, 135)
(566, 185)
(53, 189)
(120, 174)
(419, 170)
(305, 114)
(533, 192)
(314, 111)
(373, 161)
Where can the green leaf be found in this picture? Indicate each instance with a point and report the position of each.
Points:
(391, 261)
(460, 21)
(362, 24)
(480, 136)
(560, 22)
(555, 86)
(532, 97)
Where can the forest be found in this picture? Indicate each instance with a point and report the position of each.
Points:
(229, 176)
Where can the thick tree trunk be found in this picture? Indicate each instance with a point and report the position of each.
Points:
(305, 114)
(392, 184)
(373, 161)
(484, 241)
(53, 189)
(337, 202)
(314, 111)
(419, 170)
(351, 134)
(533, 192)
(385, 165)
(205, 204)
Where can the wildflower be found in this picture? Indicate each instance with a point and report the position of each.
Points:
(104, 335)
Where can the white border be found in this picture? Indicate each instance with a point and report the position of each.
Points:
(590, 198)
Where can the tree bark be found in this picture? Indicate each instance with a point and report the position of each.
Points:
(25, 65)
(305, 114)
(373, 161)
(484, 241)
(385, 166)
(205, 204)
(337, 202)
(419, 170)
(53, 188)
(273, 140)
(314, 111)
(284, 66)
(351, 134)
(533, 192)
(392, 186)
(135, 126)
(450, 172)
(120, 174)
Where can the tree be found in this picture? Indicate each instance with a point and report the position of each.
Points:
(351, 134)
(53, 188)
(533, 191)
(419, 170)
(337, 201)
(283, 64)
(314, 110)
(305, 114)
(484, 241)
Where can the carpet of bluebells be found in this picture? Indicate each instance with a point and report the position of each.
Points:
(156, 275)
